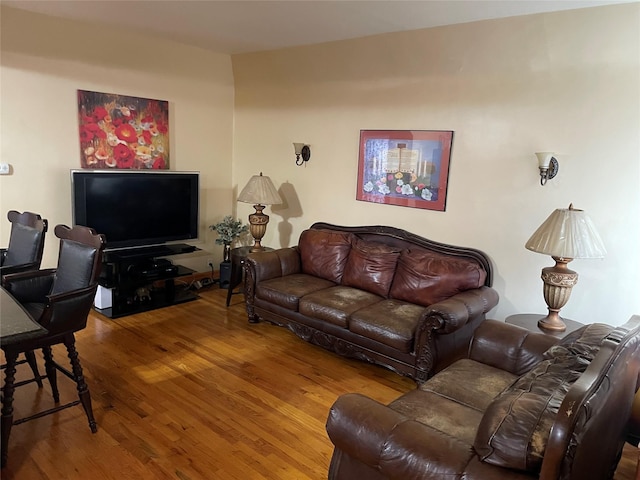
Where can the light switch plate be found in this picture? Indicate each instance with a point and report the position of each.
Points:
(4, 169)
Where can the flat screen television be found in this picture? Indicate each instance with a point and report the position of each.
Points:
(135, 208)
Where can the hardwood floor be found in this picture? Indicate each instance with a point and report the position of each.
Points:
(194, 392)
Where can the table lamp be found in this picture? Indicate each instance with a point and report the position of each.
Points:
(259, 191)
(568, 233)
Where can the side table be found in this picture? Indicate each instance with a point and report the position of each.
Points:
(237, 258)
(530, 322)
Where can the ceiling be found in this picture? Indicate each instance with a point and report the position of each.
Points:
(240, 26)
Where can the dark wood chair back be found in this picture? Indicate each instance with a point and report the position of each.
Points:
(26, 243)
(79, 259)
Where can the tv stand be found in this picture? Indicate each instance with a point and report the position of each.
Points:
(140, 279)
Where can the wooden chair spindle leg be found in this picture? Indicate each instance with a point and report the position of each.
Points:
(50, 368)
(31, 360)
(83, 388)
(7, 404)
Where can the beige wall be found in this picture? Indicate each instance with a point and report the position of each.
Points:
(568, 82)
(44, 61)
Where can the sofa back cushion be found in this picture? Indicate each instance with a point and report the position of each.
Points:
(371, 266)
(426, 278)
(515, 427)
(324, 253)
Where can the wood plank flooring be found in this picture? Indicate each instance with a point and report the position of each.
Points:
(194, 392)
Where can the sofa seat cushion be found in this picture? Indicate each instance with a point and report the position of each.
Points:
(459, 382)
(391, 322)
(427, 278)
(286, 291)
(324, 253)
(453, 401)
(336, 304)
(371, 266)
(516, 426)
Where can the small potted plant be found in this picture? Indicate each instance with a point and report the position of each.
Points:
(228, 230)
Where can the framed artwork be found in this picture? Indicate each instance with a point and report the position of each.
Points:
(409, 168)
(117, 131)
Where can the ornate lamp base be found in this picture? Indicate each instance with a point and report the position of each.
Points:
(558, 282)
(258, 227)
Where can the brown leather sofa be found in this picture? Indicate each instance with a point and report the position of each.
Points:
(522, 405)
(376, 293)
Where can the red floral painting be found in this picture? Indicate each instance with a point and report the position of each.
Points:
(117, 131)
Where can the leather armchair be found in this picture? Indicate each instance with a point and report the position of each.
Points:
(521, 405)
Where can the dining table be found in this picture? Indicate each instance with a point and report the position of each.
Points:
(16, 326)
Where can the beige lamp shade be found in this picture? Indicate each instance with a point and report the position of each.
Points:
(567, 233)
(260, 191)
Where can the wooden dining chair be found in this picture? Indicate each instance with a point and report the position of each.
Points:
(24, 253)
(26, 243)
(60, 300)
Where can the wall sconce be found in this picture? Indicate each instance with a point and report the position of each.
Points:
(548, 166)
(303, 151)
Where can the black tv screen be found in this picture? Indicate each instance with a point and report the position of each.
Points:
(137, 208)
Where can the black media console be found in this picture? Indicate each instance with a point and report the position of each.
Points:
(140, 279)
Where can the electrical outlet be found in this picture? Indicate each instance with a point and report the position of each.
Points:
(210, 262)
(4, 169)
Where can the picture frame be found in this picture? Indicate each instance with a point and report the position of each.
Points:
(122, 132)
(409, 168)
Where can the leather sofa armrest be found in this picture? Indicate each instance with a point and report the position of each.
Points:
(455, 312)
(508, 347)
(445, 321)
(260, 266)
(276, 263)
(389, 442)
(360, 426)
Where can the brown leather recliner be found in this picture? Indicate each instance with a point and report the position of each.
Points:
(521, 406)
